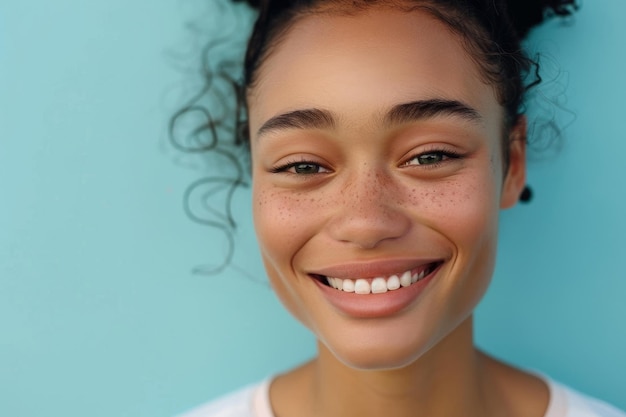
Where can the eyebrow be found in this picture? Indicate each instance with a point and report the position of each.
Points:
(299, 119)
(399, 114)
(427, 109)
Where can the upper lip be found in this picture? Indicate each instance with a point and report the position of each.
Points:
(373, 269)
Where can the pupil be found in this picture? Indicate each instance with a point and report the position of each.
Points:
(306, 169)
(430, 158)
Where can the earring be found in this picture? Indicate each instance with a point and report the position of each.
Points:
(526, 195)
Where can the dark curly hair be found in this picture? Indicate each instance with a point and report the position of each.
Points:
(491, 31)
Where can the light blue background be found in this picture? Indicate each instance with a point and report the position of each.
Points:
(99, 313)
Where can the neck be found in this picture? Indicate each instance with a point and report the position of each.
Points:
(447, 381)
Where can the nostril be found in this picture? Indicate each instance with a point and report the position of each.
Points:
(367, 228)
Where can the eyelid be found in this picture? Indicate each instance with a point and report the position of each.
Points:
(446, 152)
(284, 167)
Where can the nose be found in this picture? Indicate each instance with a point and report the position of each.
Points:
(369, 211)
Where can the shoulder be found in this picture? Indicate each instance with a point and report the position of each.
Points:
(581, 405)
(236, 404)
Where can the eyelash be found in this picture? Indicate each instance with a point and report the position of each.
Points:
(284, 168)
(443, 153)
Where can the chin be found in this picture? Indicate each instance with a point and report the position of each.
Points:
(374, 361)
(370, 348)
(377, 355)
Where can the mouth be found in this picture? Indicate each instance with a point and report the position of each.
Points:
(380, 284)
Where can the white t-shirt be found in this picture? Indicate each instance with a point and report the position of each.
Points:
(254, 401)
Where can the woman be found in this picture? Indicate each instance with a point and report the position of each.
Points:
(385, 137)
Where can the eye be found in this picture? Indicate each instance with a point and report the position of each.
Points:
(305, 168)
(301, 168)
(433, 157)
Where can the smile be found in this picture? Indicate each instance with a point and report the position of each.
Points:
(382, 284)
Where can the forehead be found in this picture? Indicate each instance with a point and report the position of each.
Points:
(359, 64)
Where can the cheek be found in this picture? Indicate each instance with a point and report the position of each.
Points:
(463, 208)
(278, 215)
(464, 211)
(273, 221)
(282, 227)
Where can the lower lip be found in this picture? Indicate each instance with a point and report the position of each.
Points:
(375, 305)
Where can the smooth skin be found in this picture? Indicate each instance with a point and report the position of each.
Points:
(353, 185)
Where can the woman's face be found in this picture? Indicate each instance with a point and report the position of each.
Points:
(377, 160)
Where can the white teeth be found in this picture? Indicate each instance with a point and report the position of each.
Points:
(405, 279)
(393, 283)
(348, 285)
(361, 286)
(379, 285)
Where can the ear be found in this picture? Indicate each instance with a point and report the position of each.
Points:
(515, 177)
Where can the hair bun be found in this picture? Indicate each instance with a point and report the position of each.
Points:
(525, 15)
